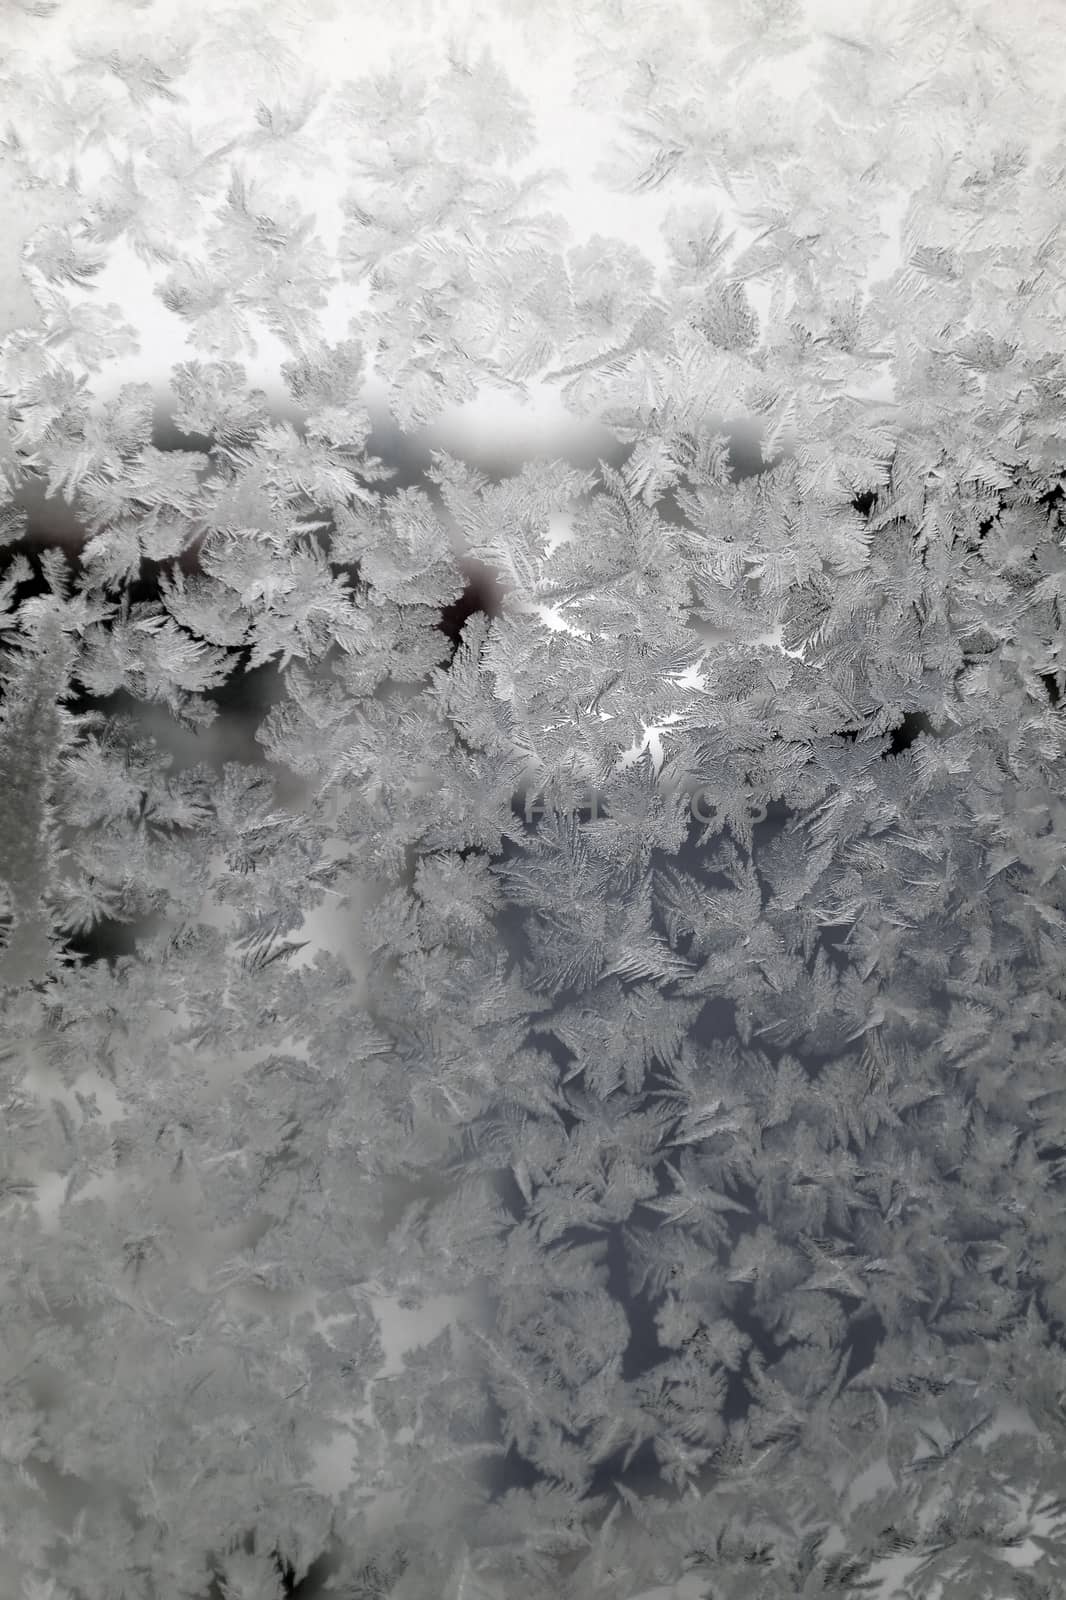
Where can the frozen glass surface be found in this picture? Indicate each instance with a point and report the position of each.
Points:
(532, 925)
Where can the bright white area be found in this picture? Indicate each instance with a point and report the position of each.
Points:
(327, 46)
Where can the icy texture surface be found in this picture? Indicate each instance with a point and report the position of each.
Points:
(532, 994)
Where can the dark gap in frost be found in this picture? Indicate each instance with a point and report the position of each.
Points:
(1051, 684)
(514, 1470)
(248, 691)
(48, 521)
(643, 1468)
(107, 940)
(867, 1332)
(831, 939)
(904, 734)
(167, 436)
(312, 1582)
(643, 1352)
(717, 1020)
(481, 597)
(511, 1196)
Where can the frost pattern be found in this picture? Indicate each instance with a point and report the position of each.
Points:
(707, 1065)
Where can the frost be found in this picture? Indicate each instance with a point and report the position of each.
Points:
(692, 816)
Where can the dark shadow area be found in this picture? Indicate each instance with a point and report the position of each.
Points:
(481, 597)
(717, 1020)
(314, 1583)
(643, 1352)
(831, 939)
(50, 520)
(407, 456)
(904, 734)
(166, 435)
(108, 940)
(1051, 684)
(746, 451)
(867, 1330)
(247, 694)
(29, 549)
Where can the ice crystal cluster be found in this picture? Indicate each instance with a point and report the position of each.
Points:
(704, 1058)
